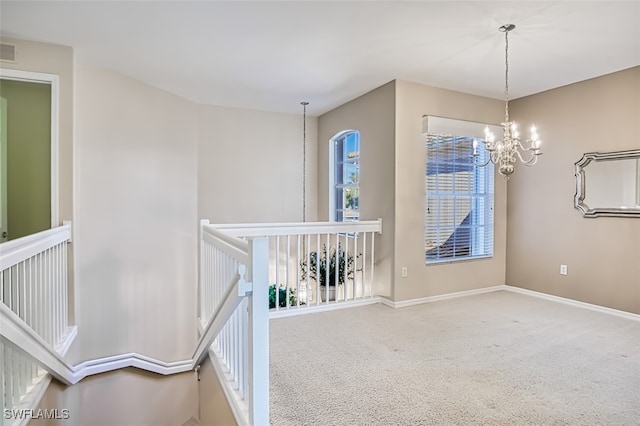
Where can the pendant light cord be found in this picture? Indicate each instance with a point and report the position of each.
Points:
(304, 160)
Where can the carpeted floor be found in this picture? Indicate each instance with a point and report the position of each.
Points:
(493, 359)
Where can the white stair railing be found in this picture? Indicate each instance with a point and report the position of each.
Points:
(33, 281)
(34, 314)
(233, 310)
(303, 259)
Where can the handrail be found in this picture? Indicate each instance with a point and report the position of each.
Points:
(17, 332)
(16, 251)
(234, 247)
(230, 301)
(297, 228)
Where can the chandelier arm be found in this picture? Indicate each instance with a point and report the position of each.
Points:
(531, 161)
(495, 157)
(478, 164)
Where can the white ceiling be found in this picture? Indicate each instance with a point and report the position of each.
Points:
(272, 55)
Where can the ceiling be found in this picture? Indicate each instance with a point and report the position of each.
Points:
(272, 55)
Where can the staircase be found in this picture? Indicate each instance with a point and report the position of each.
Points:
(238, 264)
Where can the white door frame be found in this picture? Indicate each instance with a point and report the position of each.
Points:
(3, 170)
(53, 81)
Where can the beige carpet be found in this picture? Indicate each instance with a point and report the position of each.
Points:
(493, 359)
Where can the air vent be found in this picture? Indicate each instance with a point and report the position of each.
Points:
(7, 52)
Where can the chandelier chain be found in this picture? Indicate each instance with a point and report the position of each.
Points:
(304, 160)
(506, 76)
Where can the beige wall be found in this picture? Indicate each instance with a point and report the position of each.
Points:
(413, 101)
(392, 184)
(544, 229)
(136, 226)
(250, 166)
(124, 397)
(214, 409)
(372, 114)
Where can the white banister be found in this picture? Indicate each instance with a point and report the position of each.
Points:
(315, 265)
(33, 281)
(234, 317)
(34, 322)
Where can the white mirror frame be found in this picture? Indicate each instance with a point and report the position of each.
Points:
(581, 184)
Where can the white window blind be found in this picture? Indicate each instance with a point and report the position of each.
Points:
(459, 195)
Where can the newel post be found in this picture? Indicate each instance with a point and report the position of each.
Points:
(259, 332)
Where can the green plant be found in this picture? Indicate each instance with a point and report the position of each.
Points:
(282, 296)
(337, 262)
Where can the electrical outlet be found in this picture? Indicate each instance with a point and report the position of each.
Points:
(563, 269)
(404, 272)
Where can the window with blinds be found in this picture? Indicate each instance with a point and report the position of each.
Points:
(459, 200)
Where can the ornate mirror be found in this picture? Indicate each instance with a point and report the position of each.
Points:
(608, 184)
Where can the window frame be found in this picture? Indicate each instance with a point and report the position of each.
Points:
(481, 197)
(334, 186)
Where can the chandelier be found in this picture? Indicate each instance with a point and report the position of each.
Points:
(505, 152)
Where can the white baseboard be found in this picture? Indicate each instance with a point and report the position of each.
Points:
(558, 299)
(576, 303)
(116, 362)
(430, 299)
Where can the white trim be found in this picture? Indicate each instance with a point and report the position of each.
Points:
(412, 302)
(519, 290)
(19, 334)
(302, 310)
(576, 303)
(116, 362)
(294, 228)
(54, 81)
(432, 124)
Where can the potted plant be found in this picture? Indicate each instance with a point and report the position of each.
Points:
(327, 269)
(282, 296)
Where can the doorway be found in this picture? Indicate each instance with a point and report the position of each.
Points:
(27, 155)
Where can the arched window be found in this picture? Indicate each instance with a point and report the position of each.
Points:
(344, 176)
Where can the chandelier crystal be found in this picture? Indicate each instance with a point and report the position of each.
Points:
(507, 151)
